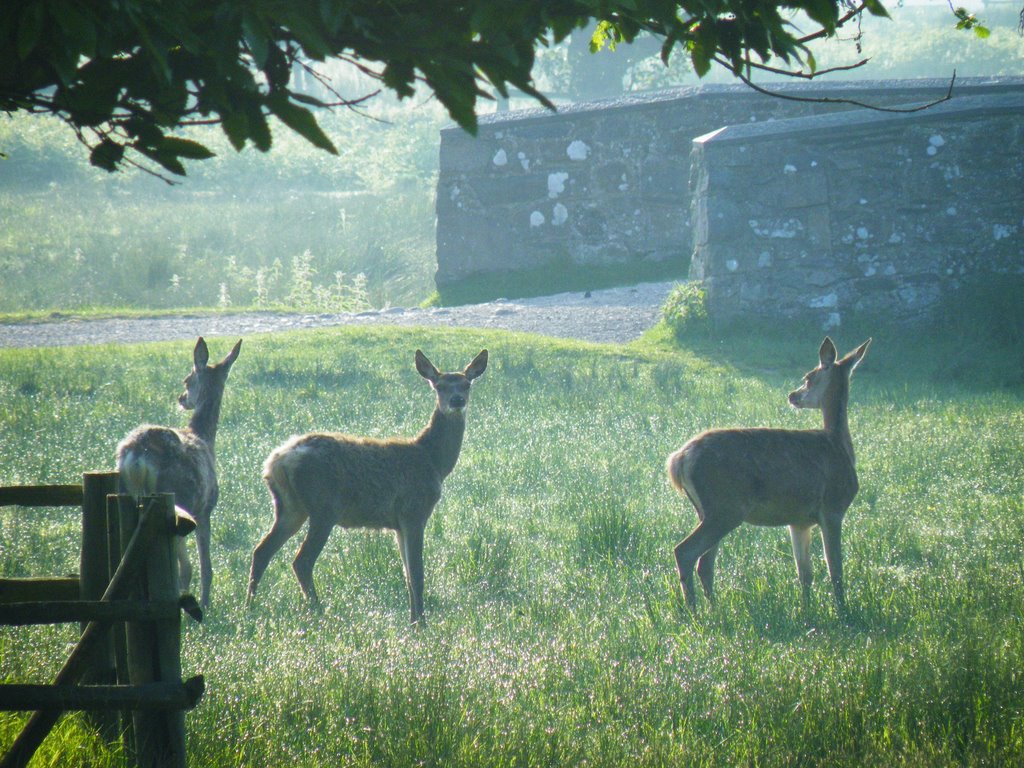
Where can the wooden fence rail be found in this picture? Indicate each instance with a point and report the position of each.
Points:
(128, 658)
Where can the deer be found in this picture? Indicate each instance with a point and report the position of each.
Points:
(154, 459)
(333, 479)
(773, 477)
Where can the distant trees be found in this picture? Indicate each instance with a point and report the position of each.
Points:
(124, 75)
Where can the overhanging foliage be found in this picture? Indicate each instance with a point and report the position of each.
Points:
(125, 74)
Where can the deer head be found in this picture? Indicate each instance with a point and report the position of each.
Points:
(204, 378)
(452, 388)
(817, 383)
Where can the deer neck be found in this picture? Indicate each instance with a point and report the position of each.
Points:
(442, 440)
(204, 420)
(837, 426)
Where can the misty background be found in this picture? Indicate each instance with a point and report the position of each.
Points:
(300, 229)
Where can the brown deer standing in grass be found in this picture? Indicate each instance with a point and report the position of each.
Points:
(799, 478)
(333, 479)
(155, 459)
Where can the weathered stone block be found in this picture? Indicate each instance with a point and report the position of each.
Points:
(871, 229)
(842, 185)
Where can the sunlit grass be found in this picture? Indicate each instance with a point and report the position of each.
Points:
(556, 634)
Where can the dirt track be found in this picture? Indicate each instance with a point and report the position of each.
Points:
(613, 315)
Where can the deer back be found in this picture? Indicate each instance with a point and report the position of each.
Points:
(153, 459)
(765, 476)
(357, 482)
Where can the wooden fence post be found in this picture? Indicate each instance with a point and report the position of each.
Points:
(159, 736)
(115, 546)
(94, 576)
(162, 578)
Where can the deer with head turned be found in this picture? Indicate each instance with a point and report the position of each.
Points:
(333, 479)
(799, 478)
(153, 459)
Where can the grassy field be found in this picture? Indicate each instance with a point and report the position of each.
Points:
(556, 633)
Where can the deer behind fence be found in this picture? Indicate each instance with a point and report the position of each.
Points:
(154, 459)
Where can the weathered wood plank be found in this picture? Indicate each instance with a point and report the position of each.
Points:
(41, 496)
(150, 697)
(35, 589)
(69, 611)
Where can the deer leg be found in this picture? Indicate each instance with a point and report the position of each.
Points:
(285, 526)
(312, 546)
(831, 538)
(205, 566)
(706, 572)
(410, 545)
(703, 538)
(801, 536)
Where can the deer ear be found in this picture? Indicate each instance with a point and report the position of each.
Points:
(426, 368)
(477, 367)
(853, 359)
(201, 354)
(827, 352)
(228, 361)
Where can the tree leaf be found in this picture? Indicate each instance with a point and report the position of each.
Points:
(79, 28)
(256, 38)
(106, 155)
(256, 123)
(606, 34)
(333, 14)
(305, 98)
(187, 148)
(399, 76)
(30, 26)
(875, 8)
(165, 159)
(300, 120)
(236, 127)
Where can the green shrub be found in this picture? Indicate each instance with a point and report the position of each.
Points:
(685, 311)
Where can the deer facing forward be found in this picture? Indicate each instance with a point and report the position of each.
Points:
(332, 479)
(799, 478)
(154, 459)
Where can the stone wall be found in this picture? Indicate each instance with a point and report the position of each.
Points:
(607, 184)
(861, 213)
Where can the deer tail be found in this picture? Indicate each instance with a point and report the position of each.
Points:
(277, 472)
(138, 473)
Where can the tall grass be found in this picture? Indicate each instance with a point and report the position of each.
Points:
(255, 228)
(556, 634)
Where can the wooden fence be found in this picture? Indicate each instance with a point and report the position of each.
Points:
(126, 668)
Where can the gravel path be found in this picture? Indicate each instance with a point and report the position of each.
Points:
(612, 315)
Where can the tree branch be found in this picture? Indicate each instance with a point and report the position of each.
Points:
(341, 101)
(794, 73)
(853, 102)
(839, 23)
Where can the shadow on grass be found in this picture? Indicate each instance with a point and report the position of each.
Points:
(974, 342)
